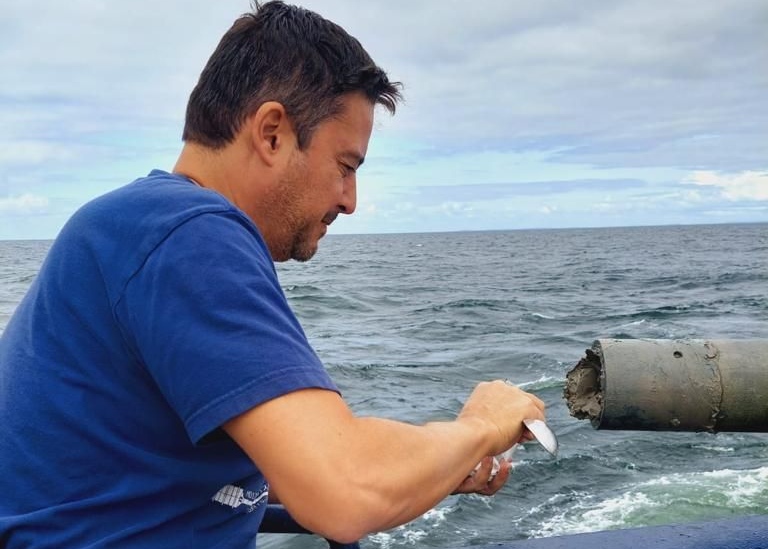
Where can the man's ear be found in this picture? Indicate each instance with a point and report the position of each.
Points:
(271, 132)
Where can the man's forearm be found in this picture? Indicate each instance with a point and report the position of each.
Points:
(344, 477)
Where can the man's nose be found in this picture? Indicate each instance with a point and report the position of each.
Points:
(349, 197)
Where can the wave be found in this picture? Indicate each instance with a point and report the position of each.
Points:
(667, 499)
(413, 533)
(544, 382)
(489, 304)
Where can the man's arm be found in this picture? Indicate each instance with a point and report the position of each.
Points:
(344, 476)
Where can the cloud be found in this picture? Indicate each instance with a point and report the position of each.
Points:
(516, 113)
(31, 152)
(609, 84)
(493, 192)
(23, 204)
(747, 185)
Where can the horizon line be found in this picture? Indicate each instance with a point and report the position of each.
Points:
(571, 228)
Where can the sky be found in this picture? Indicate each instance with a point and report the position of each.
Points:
(518, 114)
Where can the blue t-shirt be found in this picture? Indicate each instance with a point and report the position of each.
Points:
(156, 317)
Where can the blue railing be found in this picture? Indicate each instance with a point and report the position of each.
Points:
(278, 521)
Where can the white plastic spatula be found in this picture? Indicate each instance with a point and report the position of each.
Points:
(543, 434)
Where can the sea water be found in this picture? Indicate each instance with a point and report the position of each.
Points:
(408, 323)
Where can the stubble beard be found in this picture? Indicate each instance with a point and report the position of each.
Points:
(304, 246)
(295, 239)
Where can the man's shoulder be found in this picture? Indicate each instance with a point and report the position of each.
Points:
(124, 226)
(158, 189)
(154, 204)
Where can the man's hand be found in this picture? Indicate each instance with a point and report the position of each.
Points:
(504, 407)
(482, 480)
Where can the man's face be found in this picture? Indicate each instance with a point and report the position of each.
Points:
(320, 182)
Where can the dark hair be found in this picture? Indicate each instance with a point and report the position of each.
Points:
(286, 54)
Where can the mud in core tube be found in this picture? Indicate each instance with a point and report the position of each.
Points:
(583, 392)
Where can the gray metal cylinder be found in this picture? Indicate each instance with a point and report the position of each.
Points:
(672, 385)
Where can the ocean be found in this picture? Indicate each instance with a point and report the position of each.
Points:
(408, 323)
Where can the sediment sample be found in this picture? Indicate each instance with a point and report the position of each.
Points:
(582, 388)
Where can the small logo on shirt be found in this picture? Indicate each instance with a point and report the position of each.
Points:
(243, 501)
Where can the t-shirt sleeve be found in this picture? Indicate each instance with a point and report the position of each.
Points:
(207, 318)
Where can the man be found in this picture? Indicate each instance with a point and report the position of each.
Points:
(155, 388)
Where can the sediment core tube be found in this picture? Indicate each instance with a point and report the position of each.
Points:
(672, 385)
